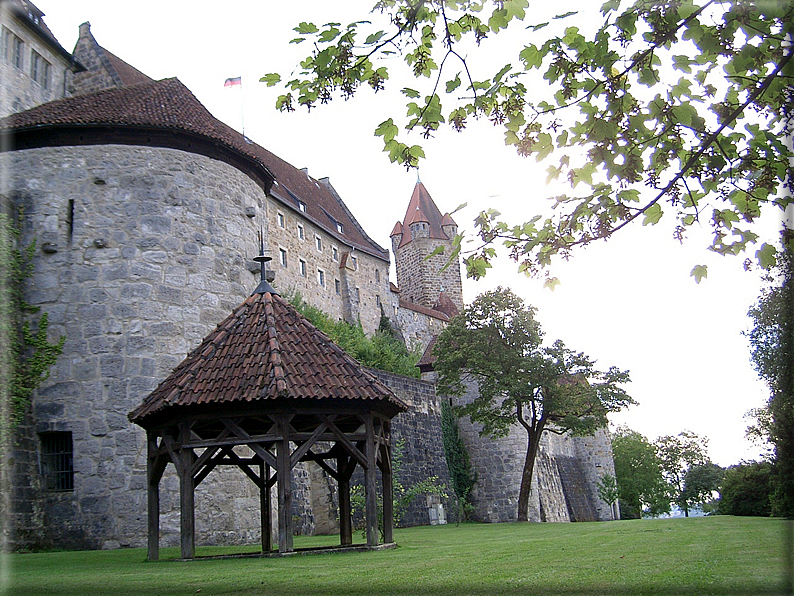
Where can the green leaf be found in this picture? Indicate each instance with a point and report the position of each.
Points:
(652, 215)
(453, 84)
(551, 283)
(374, 37)
(766, 256)
(412, 93)
(271, 79)
(306, 28)
(388, 130)
(531, 57)
(699, 272)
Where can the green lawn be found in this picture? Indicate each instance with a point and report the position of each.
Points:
(715, 555)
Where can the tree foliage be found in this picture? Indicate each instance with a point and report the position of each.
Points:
(461, 475)
(679, 454)
(772, 355)
(383, 350)
(651, 109)
(638, 470)
(700, 484)
(496, 346)
(746, 490)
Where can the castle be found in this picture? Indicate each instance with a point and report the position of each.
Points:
(146, 213)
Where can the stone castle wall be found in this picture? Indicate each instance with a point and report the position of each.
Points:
(422, 277)
(19, 90)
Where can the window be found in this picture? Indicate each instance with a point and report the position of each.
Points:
(282, 256)
(338, 286)
(39, 69)
(302, 267)
(280, 219)
(340, 228)
(12, 48)
(301, 233)
(358, 295)
(354, 263)
(302, 206)
(318, 243)
(335, 253)
(321, 277)
(377, 275)
(56, 463)
(377, 300)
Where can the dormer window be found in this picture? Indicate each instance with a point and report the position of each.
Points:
(340, 228)
(302, 206)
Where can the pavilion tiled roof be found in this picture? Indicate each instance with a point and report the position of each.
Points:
(168, 105)
(265, 350)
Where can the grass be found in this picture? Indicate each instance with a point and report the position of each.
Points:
(716, 555)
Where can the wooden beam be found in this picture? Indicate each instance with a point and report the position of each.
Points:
(153, 498)
(370, 486)
(301, 451)
(343, 484)
(264, 508)
(187, 513)
(266, 456)
(342, 438)
(388, 495)
(284, 472)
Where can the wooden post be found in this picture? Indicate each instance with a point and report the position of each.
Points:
(284, 472)
(345, 521)
(187, 516)
(153, 498)
(264, 508)
(370, 485)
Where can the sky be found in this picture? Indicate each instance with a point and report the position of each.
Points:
(628, 303)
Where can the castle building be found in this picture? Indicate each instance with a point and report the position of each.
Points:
(147, 212)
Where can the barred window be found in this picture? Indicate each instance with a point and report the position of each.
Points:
(56, 461)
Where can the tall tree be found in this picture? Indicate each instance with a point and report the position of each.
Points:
(647, 109)
(772, 354)
(700, 484)
(679, 454)
(496, 345)
(638, 470)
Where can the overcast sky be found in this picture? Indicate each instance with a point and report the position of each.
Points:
(628, 303)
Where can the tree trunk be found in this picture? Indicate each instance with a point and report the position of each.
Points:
(526, 476)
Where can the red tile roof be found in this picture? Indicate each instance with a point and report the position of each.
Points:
(424, 310)
(131, 113)
(423, 208)
(444, 304)
(265, 350)
(128, 75)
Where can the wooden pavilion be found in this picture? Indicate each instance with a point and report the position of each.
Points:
(267, 379)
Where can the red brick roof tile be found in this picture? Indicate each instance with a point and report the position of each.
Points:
(265, 350)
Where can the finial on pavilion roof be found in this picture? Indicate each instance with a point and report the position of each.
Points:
(264, 286)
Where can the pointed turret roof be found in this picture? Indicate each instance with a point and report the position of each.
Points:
(422, 201)
(444, 304)
(265, 350)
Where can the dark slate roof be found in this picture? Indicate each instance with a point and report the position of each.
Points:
(265, 350)
(130, 114)
(423, 208)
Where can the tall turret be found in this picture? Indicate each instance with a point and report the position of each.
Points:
(423, 278)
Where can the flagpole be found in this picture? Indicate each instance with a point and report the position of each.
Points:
(242, 107)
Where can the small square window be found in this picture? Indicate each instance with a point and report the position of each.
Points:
(340, 228)
(56, 464)
(338, 286)
(301, 233)
(321, 277)
(302, 267)
(282, 256)
(318, 243)
(280, 219)
(302, 206)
